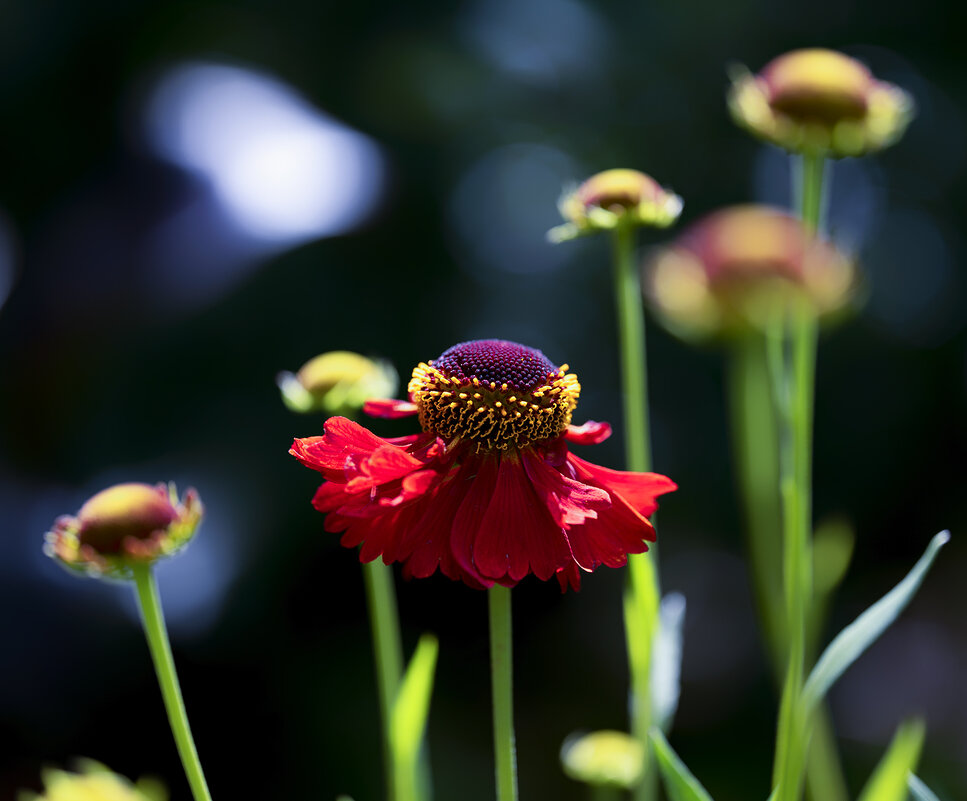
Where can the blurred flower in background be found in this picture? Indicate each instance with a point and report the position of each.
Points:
(745, 266)
(338, 382)
(822, 101)
(95, 782)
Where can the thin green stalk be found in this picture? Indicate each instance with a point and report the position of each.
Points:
(787, 771)
(603, 792)
(388, 655)
(164, 665)
(631, 332)
(642, 593)
(757, 465)
(794, 381)
(501, 671)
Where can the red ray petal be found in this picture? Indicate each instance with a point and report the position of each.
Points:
(516, 535)
(638, 489)
(389, 409)
(591, 433)
(570, 502)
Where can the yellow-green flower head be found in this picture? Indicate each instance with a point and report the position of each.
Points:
(604, 758)
(822, 102)
(95, 783)
(338, 382)
(612, 198)
(122, 526)
(742, 267)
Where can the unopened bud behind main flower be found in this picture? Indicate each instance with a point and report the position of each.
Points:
(337, 382)
(820, 101)
(489, 492)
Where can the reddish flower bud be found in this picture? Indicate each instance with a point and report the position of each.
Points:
(123, 524)
(612, 198)
(820, 101)
(742, 267)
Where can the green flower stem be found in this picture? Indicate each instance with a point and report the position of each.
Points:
(794, 382)
(501, 671)
(642, 593)
(603, 792)
(757, 466)
(789, 766)
(153, 621)
(388, 654)
(631, 331)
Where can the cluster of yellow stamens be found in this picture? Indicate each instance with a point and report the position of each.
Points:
(494, 416)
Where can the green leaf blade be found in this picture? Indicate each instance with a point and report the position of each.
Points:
(920, 790)
(890, 778)
(412, 705)
(852, 641)
(680, 784)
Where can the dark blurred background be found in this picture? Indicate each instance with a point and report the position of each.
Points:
(196, 195)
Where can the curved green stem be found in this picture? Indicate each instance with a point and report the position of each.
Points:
(164, 665)
(501, 671)
(642, 593)
(388, 655)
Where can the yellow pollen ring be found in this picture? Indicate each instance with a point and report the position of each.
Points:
(482, 416)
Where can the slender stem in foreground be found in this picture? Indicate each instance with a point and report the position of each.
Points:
(164, 665)
(388, 655)
(501, 671)
(642, 593)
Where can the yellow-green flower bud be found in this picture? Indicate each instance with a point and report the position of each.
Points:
(338, 382)
(612, 198)
(123, 525)
(604, 758)
(822, 102)
(742, 267)
(95, 783)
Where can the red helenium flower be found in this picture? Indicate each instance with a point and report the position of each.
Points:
(489, 492)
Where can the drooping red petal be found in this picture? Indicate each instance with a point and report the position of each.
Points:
(639, 489)
(569, 576)
(389, 409)
(412, 486)
(343, 447)
(426, 544)
(617, 531)
(570, 502)
(480, 481)
(517, 535)
(591, 433)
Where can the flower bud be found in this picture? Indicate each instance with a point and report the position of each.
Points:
(740, 268)
(338, 382)
(122, 525)
(822, 102)
(612, 198)
(95, 783)
(604, 758)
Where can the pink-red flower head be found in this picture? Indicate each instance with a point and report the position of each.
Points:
(488, 492)
(820, 101)
(123, 525)
(743, 267)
